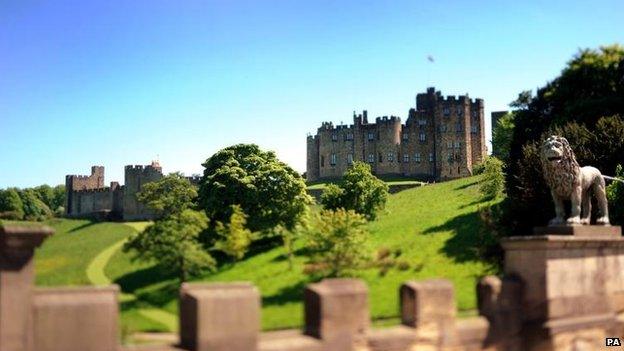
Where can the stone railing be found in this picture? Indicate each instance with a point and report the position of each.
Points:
(559, 292)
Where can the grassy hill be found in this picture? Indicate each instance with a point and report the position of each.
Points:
(435, 228)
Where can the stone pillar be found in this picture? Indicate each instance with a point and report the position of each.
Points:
(573, 284)
(219, 317)
(79, 318)
(499, 301)
(429, 306)
(17, 246)
(336, 311)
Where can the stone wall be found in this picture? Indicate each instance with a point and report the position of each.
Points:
(562, 289)
(442, 139)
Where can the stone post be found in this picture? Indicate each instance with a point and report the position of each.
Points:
(17, 246)
(219, 317)
(499, 300)
(76, 318)
(573, 284)
(429, 306)
(336, 311)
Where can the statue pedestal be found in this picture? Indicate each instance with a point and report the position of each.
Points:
(573, 281)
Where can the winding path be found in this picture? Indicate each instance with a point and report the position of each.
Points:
(96, 275)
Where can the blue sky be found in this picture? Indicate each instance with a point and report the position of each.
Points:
(124, 82)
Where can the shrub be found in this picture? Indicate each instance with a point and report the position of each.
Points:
(235, 237)
(359, 191)
(336, 243)
(493, 182)
(615, 195)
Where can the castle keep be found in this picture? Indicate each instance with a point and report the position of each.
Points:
(442, 138)
(88, 197)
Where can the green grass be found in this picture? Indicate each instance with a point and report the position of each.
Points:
(390, 182)
(435, 227)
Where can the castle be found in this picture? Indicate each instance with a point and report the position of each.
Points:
(442, 139)
(87, 197)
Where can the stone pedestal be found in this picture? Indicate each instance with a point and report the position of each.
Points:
(572, 282)
(219, 317)
(17, 246)
(336, 311)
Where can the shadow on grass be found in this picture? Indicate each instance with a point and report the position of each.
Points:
(465, 244)
(82, 226)
(293, 293)
(467, 185)
(478, 201)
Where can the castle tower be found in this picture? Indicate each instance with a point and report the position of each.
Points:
(134, 179)
(80, 182)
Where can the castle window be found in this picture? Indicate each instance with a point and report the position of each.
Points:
(449, 144)
(458, 170)
(371, 136)
(417, 157)
(460, 110)
(457, 144)
(371, 158)
(422, 136)
(473, 129)
(447, 111)
(322, 161)
(422, 122)
(450, 158)
(390, 157)
(405, 136)
(406, 158)
(332, 160)
(443, 128)
(334, 137)
(474, 114)
(458, 127)
(431, 157)
(349, 158)
(380, 158)
(349, 136)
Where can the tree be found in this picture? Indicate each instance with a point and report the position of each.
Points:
(502, 135)
(493, 182)
(34, 208)
(45, 193)
(59, 197)
(173, 242)
(11, 206)
(170, 195)
(235, 237)
(336, 243)
(359, 190)
(268, 191)
(574, 104)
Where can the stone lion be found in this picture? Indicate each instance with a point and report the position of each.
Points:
(568, 181)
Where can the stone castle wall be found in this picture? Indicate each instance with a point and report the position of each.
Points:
(88, 198)
(442, 139)
(559, 291)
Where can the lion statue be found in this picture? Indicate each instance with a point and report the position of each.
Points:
(568, 181)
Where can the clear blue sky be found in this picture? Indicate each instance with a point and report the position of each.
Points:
(120, 82)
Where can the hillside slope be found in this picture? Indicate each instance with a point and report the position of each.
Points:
(435, 227)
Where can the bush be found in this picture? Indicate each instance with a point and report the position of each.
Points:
(615, 195)
(493, 182)
(359, 191)
(235, 237)
(336, 244)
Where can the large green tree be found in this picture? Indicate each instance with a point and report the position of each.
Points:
(269, 192)
(359, 190)
(170, 195)
(11, 205)
(583, 104)
(173, 242)
(502, 135)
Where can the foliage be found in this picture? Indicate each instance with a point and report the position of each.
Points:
(169, 195)
(493, 181)
(584, 105)
(173, 243)
(615, 195)
(268, 191)
(359, 190)
(336, 243)
(11, 205)
(235, 236)
(502, 134)
(34, 208)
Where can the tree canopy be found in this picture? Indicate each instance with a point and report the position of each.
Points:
(269, 192)
(169, 195)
